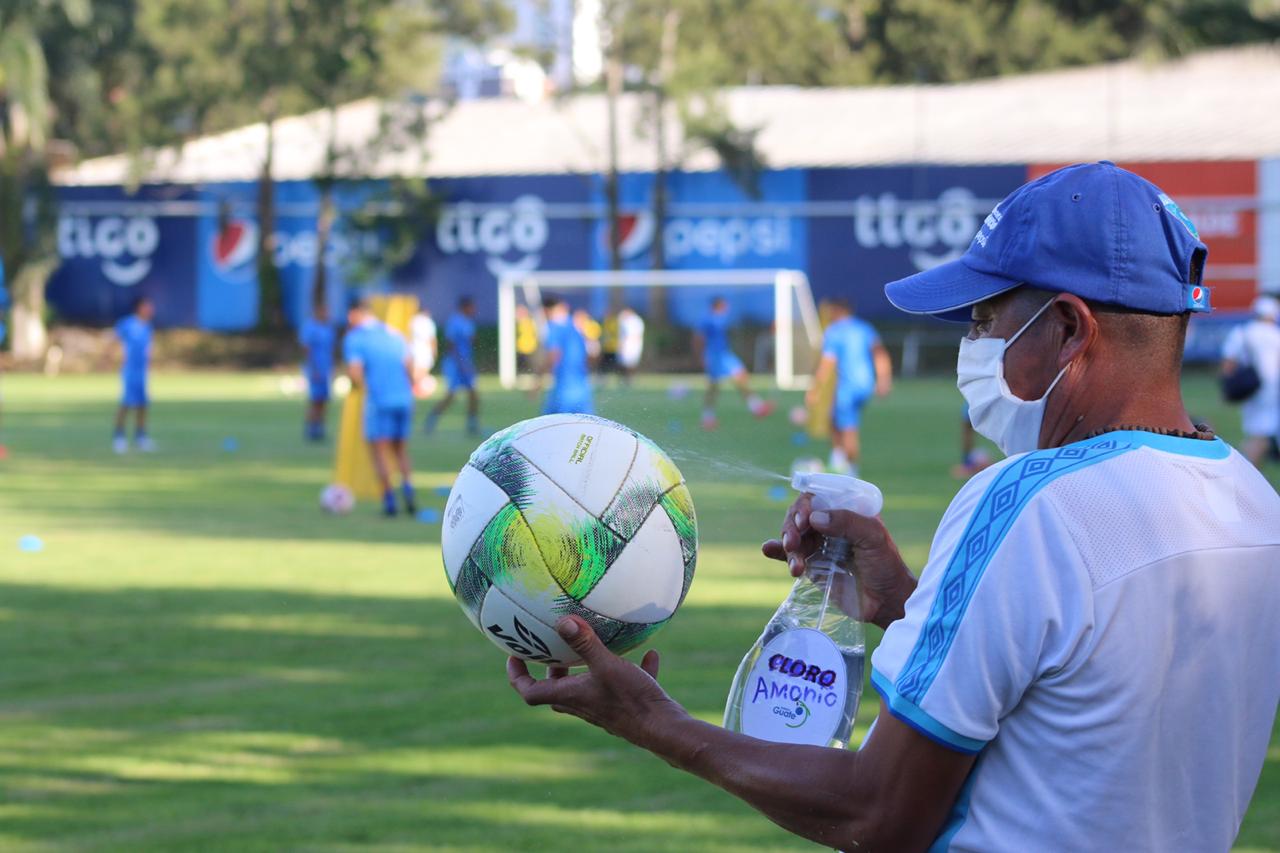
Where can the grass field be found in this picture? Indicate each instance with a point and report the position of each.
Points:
(199, 659)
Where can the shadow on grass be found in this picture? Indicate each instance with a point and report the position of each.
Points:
(238, 719)
(243, 719)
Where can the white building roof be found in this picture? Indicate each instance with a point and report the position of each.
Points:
(1221, 104)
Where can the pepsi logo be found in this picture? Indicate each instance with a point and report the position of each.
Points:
(724, 239)
(235, 245)
(1197, 294)
(635, 234)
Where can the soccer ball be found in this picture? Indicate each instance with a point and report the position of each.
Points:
(337, 499)
(568, 514)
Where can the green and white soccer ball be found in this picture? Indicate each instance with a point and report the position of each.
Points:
(569, 514)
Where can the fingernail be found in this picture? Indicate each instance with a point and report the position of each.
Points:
(796, 565)
(820, 517)
(788, 542)
(800, 519)
(567, 628)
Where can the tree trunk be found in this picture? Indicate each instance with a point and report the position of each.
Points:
(613, 14)
(328, 213)
(30, 337)
(613, 88)
(324, 228)
(666, 67)
(270, 296)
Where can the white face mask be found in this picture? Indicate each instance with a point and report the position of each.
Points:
(1011, 422)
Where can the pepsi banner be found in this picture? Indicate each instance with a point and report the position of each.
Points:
(227, 251)
(194, 249)
(712, 223)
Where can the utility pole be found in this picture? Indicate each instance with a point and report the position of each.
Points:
(613, 89)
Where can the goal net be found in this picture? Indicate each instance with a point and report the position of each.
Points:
(776, 301)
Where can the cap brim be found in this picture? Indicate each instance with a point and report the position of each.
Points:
(946, 291)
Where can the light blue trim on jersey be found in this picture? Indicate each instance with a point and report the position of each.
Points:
(1009, 492)
(959, 813)
(911, 714)
(1197, 447)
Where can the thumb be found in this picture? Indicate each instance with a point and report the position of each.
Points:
(582, 639)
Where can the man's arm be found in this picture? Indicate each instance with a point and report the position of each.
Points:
(884, 369)
(355, 370)
(892, 794)
(699, 345)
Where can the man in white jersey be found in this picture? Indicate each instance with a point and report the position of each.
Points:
(1257, 344)
(630, 343)
(1090, 659)
(423, 346)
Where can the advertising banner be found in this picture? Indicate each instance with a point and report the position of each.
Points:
(880, 224)
(116, 247)
(712, 223)
(491, 225)
(1221, 199)
(227, 251)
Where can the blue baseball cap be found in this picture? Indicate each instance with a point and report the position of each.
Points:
(1093, 229)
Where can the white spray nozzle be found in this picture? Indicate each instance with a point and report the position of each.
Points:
(839, 491)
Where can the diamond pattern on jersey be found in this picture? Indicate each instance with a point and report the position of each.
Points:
(997, 510)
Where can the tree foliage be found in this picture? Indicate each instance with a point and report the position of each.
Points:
(853, 42)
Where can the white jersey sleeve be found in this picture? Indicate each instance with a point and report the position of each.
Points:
(1233, 347)
(1002, 602)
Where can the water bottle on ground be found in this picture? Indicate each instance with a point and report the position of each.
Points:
(802, 680)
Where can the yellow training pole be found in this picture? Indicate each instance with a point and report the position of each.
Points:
(819, 423)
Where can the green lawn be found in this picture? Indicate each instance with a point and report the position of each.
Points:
(199, 659)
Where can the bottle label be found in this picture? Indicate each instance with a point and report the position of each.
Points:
(797, 689)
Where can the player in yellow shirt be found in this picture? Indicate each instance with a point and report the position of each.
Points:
(526, 338)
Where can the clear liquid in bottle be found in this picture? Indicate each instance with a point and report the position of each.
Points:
(802, 680)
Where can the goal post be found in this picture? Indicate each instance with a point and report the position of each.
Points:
(797, 331)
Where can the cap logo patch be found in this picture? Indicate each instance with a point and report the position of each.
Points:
(1172, 206)
(1197, 298)
(988, 225)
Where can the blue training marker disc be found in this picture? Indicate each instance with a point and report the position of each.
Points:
(429, 516)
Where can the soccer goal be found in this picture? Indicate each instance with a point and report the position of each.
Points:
(796, 336)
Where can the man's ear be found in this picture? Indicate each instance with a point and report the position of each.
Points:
(1079, 328)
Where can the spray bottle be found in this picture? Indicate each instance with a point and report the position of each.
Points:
(802, 680)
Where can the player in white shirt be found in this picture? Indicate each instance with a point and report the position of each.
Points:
(630, 343)
(1257, 343)
(1090, 659)
(423, 346)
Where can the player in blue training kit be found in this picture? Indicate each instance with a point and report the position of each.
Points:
(378, 360)
(852, 351)
(458, 367)
(316, 337)
(711, 342)
(568, 363)
(134, 332)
